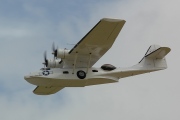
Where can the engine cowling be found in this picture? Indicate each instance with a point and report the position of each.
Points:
(54, 64)
(62, 53)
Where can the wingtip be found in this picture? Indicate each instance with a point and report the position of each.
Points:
(113, 20)
(40, 93)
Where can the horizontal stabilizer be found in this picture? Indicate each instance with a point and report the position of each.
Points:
(158, 53)
(155, 57)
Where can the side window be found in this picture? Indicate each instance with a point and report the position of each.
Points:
(65, 72)
(94, 70)
(108, 67)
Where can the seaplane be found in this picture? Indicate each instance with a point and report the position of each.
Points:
(74, 68)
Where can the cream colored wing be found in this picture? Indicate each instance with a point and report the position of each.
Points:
(42, 90)
(95, 43)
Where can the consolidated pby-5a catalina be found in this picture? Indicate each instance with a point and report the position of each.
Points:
(74, 68)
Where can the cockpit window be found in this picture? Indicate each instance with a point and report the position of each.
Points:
(45, 69)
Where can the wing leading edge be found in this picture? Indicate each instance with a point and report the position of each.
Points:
(95, 43)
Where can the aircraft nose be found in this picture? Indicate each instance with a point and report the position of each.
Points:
(26, 77)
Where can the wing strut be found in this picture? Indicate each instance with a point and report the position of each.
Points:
(74, 65)
(88, 63)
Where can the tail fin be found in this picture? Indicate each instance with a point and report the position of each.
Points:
(155, 57)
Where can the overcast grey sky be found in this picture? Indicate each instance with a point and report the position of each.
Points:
(28, 28)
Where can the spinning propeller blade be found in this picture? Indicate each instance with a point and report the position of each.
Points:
(45, 59)
(54, 50)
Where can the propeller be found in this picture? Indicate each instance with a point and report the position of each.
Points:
(45, 59)
(54, 50)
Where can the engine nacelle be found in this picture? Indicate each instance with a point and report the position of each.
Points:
(62, 53)
(54, 64)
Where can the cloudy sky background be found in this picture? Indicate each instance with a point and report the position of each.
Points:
(28, 28)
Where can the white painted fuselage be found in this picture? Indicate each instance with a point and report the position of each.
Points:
(94, 76)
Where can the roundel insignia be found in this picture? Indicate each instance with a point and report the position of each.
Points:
(45, 73)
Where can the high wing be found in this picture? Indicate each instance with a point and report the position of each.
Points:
(95, 43)
(42, 90)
